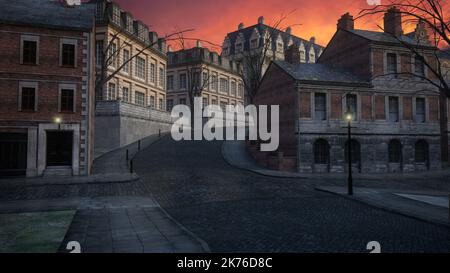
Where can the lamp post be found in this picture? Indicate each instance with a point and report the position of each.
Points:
(58, 121)
(349, 118)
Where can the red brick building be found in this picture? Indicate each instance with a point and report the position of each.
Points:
(396, 112)
(46, 86)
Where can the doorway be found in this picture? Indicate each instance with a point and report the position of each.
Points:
(13, 154)
(59, 148)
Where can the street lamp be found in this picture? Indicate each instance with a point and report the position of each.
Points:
(349, 118)
(58, 121)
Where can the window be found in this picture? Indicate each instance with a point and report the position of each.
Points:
(68, 55)
(321, 152)
(239, 47)
(126, 61)
(152, 72)
(205, 79)
(28, 99)
(214, 83)
(356, 151)
(29, 52)
(126, 94)
(395, 151)
(241, 90)
(302, 56)
(99, 53)
(419, 67)
(112, 56)
(162, 77)
(421, 151)
(67, 100)
(161, 104)
(183, 101)
(352, 103)
(182, 81)
(196, 80)
(152, 101)
(205, 102)
(169, 105)
(254, 43)
(140, 68)
(280, 47)
(223, 85)
(393, 109)
(139, 98)
(213, 102)
(111, 92)
(320, 102)
(170, 82)
(225, 51)
(391, 63)
(223, 105)
(420, 110)
(233, 88)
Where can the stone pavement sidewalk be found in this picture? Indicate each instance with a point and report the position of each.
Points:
(429, 206)
(115, 224)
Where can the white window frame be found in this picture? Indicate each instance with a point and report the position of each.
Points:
(72, 87)
(65, 41)
(31, 38)
(34, 85)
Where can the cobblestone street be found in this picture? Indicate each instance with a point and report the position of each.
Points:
(235, 210)
(232, 210)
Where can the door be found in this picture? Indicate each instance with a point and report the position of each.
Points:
(13, 154)
(59, 148)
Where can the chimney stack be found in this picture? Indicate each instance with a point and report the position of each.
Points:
(198, 44)
(312, 40)
(261, 20)
(241, 26)
(393, 22)
(289, 30)
(292, 54)
(346, 22)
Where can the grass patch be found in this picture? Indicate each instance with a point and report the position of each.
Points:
(33, 232)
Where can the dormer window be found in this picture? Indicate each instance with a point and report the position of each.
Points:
(391, 59)
(225, 51)
(254, 43)
(116, 15)
(302, 56)
(239, 47)
(280, 47)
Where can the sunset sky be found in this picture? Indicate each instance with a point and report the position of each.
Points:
(213, 19)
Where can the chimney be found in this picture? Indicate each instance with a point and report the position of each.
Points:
(289, 30)
(261, 20)
(346, 22)
(312, 40)
(241, 26)
(169, 48)
(162, 45)
(292, 54)
(198, 44)
(393, 22)
(153, 37)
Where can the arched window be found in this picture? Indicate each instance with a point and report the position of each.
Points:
(356, 151)
(321, 152)
(395, 151)
(421, 151)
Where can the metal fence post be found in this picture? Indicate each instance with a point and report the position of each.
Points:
(131, 166)
(126, 155)
(139, 144)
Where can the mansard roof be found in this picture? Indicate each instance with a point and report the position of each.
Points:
(320, 74)
(262, 28)
(46, 13)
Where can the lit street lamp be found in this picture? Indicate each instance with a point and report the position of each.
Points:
(58, 121)
(349, 118)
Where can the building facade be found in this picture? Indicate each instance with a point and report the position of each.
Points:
(47, 88)
(371, 74)
(131, 66)
(197, 68)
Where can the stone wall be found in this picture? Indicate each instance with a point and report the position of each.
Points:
(119, 124)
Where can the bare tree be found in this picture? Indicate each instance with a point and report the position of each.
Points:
(431, 15)
(256, 60)
(112, 60)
